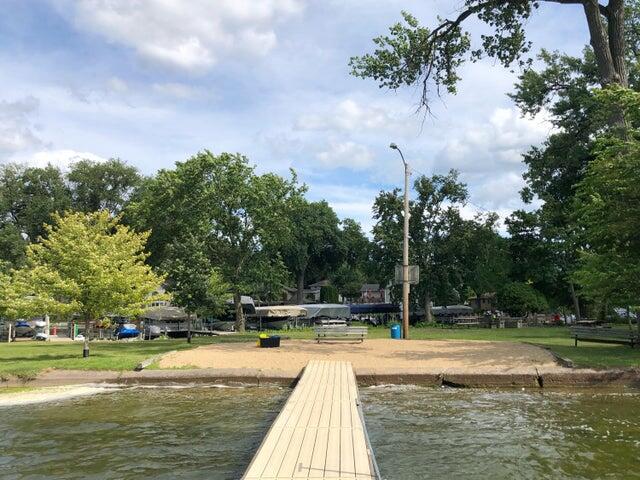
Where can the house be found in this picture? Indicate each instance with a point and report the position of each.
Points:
(372, 293)
(486, 302)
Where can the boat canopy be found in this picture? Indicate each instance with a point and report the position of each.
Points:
(364, 308)
(330, 310)
(165, 314)
(281, 311)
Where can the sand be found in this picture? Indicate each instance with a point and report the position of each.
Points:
(50, 394)
(375, 356)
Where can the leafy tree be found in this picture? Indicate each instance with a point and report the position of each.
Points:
(519, 299)
(193, 281)
(486, 259)
(312, 247)
(608, 206)
(348, 281)
(240, 218)
(88, 264)
(29, 197)
(433, 230)
(431, 57)
(102, 185)
(328, 294)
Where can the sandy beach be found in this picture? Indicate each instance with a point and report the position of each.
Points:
(377, 356)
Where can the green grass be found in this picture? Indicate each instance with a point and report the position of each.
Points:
(26, 359)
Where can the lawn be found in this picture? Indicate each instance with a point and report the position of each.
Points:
(26, 359)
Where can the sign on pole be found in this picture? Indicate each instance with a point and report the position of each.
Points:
(414, 274)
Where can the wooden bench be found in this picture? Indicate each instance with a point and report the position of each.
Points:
(605, 335)
(339, 332)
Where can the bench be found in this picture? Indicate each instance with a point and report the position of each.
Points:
(339, 332)
(605, 335)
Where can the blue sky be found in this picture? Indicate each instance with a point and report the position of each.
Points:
(155, 81)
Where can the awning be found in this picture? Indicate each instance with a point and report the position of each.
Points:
(329, 310)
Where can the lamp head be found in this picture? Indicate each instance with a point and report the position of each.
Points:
(393, 146)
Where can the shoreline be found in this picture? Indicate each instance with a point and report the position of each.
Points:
(463, 378)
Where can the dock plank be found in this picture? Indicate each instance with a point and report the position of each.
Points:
(319, 432)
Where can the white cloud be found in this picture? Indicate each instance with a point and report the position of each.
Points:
(177, 90)
(346, 154)
(16, 126)
(62, 158)
(497, 143)
(117, 85)
(352, 116)
(190, 36)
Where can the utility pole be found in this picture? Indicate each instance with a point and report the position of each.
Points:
(405, 248)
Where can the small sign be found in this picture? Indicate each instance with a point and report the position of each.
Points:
(414, 274)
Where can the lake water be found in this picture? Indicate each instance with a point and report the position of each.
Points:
(212, 433)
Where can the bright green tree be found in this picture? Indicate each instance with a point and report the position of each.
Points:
(89, 264)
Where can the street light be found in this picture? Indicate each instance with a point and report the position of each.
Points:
(405, 247)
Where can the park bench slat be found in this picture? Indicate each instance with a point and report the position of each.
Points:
(605, 335)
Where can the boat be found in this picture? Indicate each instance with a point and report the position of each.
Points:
(319, 311)
(278, 317)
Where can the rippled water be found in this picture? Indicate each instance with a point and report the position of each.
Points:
(473, 434)
(416, 433)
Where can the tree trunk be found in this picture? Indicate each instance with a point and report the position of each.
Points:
(576, 301)
(188, 327)
(617, 45)
(300, 288)
(600, 43)
(428, 317)
(237, 300)
(85, 347)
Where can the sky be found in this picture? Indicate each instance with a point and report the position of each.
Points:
(153, 82)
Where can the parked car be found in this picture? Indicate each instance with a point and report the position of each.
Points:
(126, 330)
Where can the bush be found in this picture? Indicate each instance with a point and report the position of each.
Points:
(518, 299)
(328, 294)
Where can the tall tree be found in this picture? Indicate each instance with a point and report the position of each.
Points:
(312, 248)
(88, 264)
(30, 196)
(431, 57)
(102, 185)
(239, 216)
(608, 206)
(434, 222)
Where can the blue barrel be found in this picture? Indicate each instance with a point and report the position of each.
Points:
(396, 332)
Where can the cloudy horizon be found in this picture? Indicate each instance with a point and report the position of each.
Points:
(155, 82)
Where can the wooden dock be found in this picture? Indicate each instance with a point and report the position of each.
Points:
(320, 432)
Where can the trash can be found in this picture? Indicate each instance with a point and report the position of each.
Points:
(396, 331)
(270, 342)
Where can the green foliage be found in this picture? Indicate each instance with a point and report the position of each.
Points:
(102, 185)
(348, 280)
(608, 208)
(87, 264)
(312, 248)
(328, 294)
(413, 54)
(194, 282)
(519, 299)
(239, 217)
